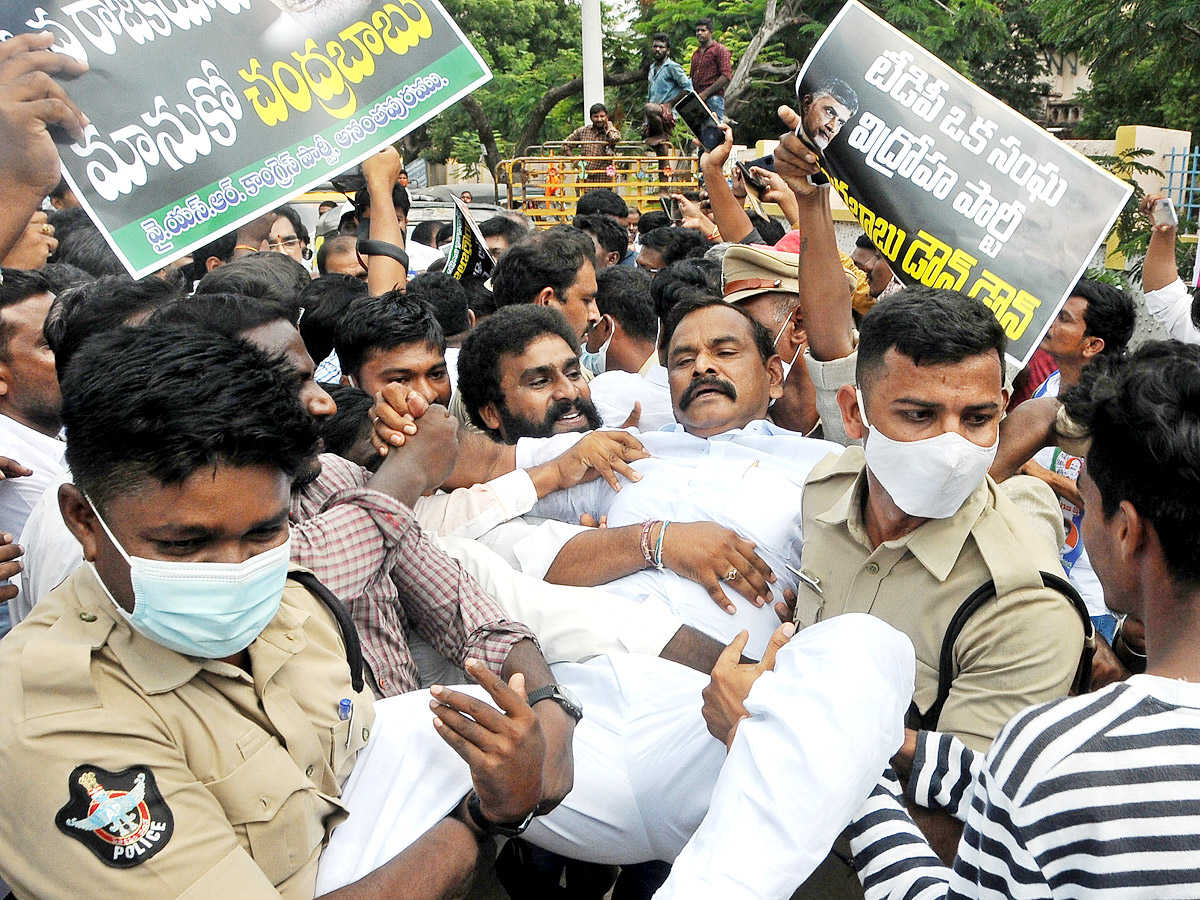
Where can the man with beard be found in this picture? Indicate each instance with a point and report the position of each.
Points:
(521, 379)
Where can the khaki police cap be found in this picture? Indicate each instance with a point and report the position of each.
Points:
(748, 271)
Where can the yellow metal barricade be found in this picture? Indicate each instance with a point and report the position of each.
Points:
(546, 183)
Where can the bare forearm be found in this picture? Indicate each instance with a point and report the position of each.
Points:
(715, 88)
(480, 459)
(438, 866)
(384, 273)
(1160, 268)
(727, 210)
(598, 556)
(1024, 432)
(825, 296)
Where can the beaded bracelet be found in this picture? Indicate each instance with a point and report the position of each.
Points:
(647, 530)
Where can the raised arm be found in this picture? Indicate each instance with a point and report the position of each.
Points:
(727, 210)
(824, 294)
(380, 171)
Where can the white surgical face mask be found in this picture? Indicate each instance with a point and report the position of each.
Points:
(930, 478)
(787, 366)
(203, 609)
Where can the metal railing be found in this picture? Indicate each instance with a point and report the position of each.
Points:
(550, 179)
(1182, 171)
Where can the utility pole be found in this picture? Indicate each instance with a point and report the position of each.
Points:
(593, 55)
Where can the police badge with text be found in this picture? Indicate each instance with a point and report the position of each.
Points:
(119, 816)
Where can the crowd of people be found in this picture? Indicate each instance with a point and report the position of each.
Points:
(676, 560)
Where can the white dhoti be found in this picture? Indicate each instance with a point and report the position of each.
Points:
(823, 727)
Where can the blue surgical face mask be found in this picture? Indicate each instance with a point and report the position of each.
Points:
(596, 363)
(203, 609)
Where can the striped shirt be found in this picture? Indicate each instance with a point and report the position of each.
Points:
(1093, 796)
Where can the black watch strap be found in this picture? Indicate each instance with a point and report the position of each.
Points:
(487, 826)
(556, 693)
(367, 247)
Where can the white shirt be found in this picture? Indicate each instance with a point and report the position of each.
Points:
(1172, 306)
(750, 480)
(614, 394)
(34, 450)
(452, 366)
(51, 551)
(1074, 556)
(421, 257)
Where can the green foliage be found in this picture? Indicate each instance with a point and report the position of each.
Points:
(998, 45)
(1132, 229)
(1144, 57)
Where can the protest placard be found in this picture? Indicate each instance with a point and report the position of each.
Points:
(957, 190)
(206, 113)
(468, 255)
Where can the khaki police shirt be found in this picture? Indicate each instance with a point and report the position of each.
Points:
(132, 771)
(1021, 648)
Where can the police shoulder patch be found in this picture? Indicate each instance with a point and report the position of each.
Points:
(120, 816)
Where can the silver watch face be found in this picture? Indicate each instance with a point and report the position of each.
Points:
(570, 697)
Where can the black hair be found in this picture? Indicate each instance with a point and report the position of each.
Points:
(652, 219)
(1110, 314)
(603, 202)
(597, 107)
(222, 248)
(479, 298)
(81, 243)
(400, 200)
(506, 227)
(509, 331)
(769, 230)
(839, 91)
(98, 306)
(551, 258)
(60, 190)
(706, 22)
(232, 315)
(383, 322)
(930, 326)
(63, 276)
(613, 237)
(275, 277)
(325, 301)
(341, 431)
(674, 243)
(335, 243)
(764, 341)
(189, 399)
(445, 233)
(865, 243)
(661, 36)
(447, 298)
(623, 292)
(293, 216)
(19, 285)
(684, 280)
(1143, 413)
(426, 232)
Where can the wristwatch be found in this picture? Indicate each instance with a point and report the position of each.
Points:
(488, 827)
(560, 695)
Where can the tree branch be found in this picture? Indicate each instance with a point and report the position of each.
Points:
(487, 137)
(541, 110)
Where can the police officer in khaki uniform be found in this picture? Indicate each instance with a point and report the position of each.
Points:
(178, 717)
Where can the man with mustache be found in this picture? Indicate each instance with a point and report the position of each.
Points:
(711, 530)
